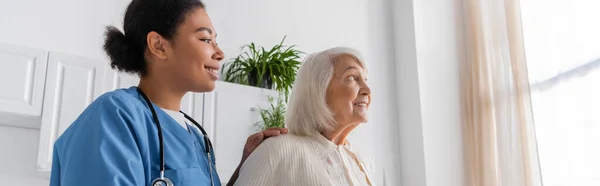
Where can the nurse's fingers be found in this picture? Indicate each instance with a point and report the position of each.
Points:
(270, 133)
(282, 130)
(273, 132)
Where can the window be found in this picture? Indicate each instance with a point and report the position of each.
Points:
(562, 43)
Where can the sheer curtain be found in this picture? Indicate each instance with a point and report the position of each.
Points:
(500, 148)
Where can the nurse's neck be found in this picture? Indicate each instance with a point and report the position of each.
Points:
(162, 93)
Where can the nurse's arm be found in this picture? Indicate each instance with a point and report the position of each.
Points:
(104, 150)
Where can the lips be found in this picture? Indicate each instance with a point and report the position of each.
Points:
(212, 71)
(362, 102)
(212, 68)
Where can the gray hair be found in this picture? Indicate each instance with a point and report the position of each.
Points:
(307, 112)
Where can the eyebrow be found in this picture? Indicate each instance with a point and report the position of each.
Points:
(351, 67)
(204, 29)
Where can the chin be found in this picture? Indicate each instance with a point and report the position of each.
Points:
(204, 87)
(361, 117)
(360, 120)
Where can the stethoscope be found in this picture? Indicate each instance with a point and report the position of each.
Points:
(162, 180)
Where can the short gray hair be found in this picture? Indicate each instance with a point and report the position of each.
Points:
(308, 112)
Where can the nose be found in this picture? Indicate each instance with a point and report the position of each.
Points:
(218, 55)
(365, 89)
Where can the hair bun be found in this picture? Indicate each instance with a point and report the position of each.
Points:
(122, 52)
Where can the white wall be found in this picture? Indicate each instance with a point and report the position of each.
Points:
(439, 51)
(428, 53)
(382, 80)
(310, 24)
(410, 132)
(313, 25)
(71, 26)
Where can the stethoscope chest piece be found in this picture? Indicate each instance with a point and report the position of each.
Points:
(162, 182)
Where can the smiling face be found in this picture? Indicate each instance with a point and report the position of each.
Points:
(348, 95)
(190, 60)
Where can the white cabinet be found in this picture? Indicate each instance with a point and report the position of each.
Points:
(229, 120)
(22, 75)
(116, 80)
(72, 84)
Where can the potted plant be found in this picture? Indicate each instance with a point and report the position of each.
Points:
(271, 69)
(274, 116)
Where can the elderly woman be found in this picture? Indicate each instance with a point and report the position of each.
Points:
(329, 99)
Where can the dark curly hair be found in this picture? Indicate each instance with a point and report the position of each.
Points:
(126, 50)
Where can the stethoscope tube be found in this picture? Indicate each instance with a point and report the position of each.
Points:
(162, 180)
(207, 145)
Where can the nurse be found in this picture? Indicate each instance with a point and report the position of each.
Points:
(137, 136)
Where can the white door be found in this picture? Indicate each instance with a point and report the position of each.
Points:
(72, 84)
(229, 120)
(22, 75)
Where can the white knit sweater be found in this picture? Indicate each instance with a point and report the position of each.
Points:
(304, 161)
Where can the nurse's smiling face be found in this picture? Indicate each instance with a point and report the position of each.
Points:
(189, 60)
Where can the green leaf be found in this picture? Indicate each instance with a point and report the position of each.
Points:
(274, 116)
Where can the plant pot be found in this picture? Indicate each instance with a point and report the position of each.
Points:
(266, 81)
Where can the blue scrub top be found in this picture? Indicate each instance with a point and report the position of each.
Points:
(115, 142)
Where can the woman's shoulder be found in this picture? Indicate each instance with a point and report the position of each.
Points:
(287, 159)
(286, 150)
(285, 139)
(284, 143)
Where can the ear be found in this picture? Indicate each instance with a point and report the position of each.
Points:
(157, 45)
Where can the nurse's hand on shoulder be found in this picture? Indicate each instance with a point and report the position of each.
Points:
(255, 139)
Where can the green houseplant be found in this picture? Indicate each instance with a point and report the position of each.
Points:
(271, 69)
(274, 116)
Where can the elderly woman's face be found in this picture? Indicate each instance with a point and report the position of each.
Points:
(348, 94)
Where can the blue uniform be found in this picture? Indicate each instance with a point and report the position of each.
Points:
(115, 142)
